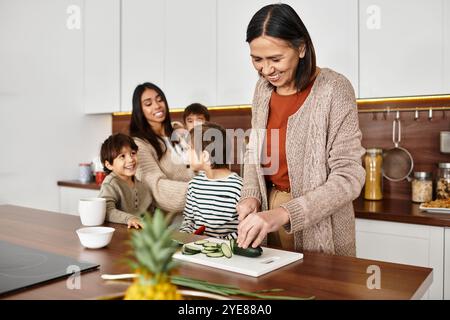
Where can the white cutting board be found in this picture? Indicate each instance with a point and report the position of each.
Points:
(271, 259)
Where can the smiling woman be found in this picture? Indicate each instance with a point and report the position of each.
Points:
(160, 165)
(298, 190)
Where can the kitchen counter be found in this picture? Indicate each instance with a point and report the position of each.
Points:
(324, 276)
(398, 211)
(394, 210)
(78, 184)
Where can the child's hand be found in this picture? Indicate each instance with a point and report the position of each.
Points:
(134, 223)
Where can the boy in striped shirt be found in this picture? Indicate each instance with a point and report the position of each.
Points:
(213, 194)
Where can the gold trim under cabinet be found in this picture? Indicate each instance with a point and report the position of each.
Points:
(177, 110)
(361, 105)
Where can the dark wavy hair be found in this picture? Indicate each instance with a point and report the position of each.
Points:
(281, 21)
(112, 146)
(139, 126)
(196, 108)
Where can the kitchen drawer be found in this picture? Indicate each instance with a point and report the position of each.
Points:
(404, 243)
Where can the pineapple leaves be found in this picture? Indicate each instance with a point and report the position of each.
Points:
(153, 245)
(159, 223)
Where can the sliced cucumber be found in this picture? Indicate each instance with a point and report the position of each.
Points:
(249, 252)
(201, 242)
(232, 244)
(177, 243)
(211, 245)
(226, 250)
(212, 249)
(188, 253)
(191, 249)
(214, 254)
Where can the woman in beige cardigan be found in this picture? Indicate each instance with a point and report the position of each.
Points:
(161, 166)
(305, 204)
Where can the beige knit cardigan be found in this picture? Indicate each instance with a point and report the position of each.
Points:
(323, 151)
(167, 180)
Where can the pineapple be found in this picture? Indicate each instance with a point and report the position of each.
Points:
(153, 249)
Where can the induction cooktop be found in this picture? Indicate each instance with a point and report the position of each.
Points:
(22, 267)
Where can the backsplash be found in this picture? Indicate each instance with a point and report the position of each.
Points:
(419, 136)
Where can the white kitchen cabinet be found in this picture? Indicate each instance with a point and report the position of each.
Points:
(190, 52)
(446, 39)
(142, 46)
(236, 77)
(402, 47)
(333, 27)
(68, 198)
(102, 56)
(411, 244)
(447, 265)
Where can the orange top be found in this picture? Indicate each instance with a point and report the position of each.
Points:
(280, 109)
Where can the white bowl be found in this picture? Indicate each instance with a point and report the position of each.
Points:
(95, 237)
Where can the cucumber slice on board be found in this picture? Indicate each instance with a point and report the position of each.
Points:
(214, 254)
(190, 249)
(188, 253)
(212, 249)
(201, 242)
(226, 250)
(211, 245)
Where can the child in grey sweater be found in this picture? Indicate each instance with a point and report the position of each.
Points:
(127, 198)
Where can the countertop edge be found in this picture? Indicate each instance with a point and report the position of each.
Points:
(393, 210)
(78, 184)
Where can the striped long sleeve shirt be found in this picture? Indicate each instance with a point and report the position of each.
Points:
(212, 203)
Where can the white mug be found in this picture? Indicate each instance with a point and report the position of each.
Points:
(92, 211)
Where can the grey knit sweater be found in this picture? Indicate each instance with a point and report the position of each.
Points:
(323, 151)
(122, 201)
(168, 180)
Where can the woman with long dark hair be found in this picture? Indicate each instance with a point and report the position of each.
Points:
(160, 167)
(299, 195)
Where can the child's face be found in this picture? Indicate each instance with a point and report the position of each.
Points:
(125, 164)
(194, 119)
(196, 161)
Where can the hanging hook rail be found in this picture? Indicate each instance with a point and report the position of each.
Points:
(389, 109)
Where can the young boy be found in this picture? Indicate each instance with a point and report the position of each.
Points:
(126, 197)
(212, 195)
(194, 114)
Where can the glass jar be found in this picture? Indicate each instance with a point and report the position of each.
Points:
(422, 187)
(85, 172)
(373, 162)
(443, 181)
